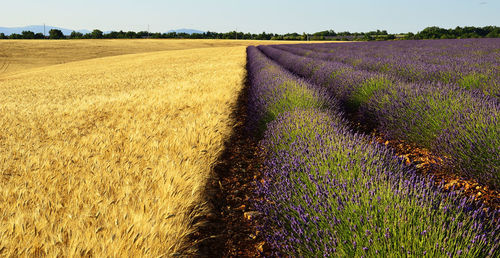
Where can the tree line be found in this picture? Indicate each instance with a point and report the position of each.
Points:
(458, 32)
(428, 33)
(98, 34)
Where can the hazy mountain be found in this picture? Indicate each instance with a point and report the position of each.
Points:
(188, 31)
(37, 29)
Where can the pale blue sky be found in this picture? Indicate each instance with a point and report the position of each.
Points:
(278, 16)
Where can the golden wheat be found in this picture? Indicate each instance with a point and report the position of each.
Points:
(109, 156)
(18, 55)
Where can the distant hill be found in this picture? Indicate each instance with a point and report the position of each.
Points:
(188, 31)
(37, 29)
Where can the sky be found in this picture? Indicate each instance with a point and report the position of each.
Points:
(256, 16)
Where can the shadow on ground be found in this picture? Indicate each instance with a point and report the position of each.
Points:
(230, 229)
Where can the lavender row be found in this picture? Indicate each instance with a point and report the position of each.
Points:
(279, 91)
(470, 64)
(331, 192)
(451, 121)
(459, 56)
(476, 52)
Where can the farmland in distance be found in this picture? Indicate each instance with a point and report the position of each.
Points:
(18, 55)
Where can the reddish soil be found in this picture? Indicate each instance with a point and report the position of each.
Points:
(231, 230)
(428, 163)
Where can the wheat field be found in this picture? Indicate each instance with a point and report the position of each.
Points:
(19, 55)
(110, 156)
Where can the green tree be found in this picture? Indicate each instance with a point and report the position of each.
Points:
(76, 35)
(264, 36)
(142, 34)
(432, 33)
(325, 33)
(56, 34)
(39, 35)
(112, 35)
(155, 35)
(15, 36)
(493, 34)
(409, 35)
(368, 37)
(28, 34)
(131, 34)
(121, 34)
(492, 31)
(97, 34)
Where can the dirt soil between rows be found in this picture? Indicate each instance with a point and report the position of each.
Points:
(431, 165)
(231, 230)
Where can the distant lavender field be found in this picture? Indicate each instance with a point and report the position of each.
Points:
(328, 191)
(442, 94)
(473, 64)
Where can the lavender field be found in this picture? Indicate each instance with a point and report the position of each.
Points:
(330, 189)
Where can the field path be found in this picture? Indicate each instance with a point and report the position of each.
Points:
(231, 230)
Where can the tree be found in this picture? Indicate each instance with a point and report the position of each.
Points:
(155, 35)
(2, 36)
(28, 34)
(131, 34)
(264, 36)
(493, 34)
(97, 34)
(409, 35)
(432, 33)
(142, 34)
(122, 34)
(15, 36)
(56, 34)
(39, 35)
(76, 35)
(368, 37)
(112, 35)
(325, 33)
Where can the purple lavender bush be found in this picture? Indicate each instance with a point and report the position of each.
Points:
(274, 90)
(452, 122)
(330, 192)
(445, 118)
(472, 64)
(351, 87)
